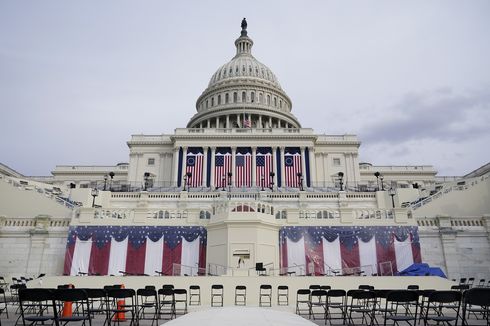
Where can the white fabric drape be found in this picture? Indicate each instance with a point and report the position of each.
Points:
(153, 256)
(403, 253)
(296, 256)
(117, 257)
(332, 258)
(189, 258)
(81, 256)
(367, 254)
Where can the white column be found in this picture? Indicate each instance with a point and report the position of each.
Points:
(260, 121)
(254, 163)
(311, 151)
(274, 164)
(227, 121)
(303, 165)
(279, 123)
(184, 163)
(175, 166)
(270, 122)
(217, 122)
(238, 121)
(209, 123)
(213, 152)
(233, 152)
(283, 181)
(205, 166)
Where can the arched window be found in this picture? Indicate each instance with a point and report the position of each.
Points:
(207, 104)
(244, 97)
(261, 98)
(212, 101)
(252, 97)
(167, 214)
(202, 215)
(275, 101)
(227, 98)
(219, 99)
(250, 70)
(268, 100)
(280, 104)
(243, 69)
(235, 97)
(160, 214)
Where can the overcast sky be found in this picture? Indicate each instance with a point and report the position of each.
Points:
(411, 79)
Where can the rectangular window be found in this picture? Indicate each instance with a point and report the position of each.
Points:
(336, 162)
(151, 161)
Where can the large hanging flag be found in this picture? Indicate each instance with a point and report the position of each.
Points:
(110, 250)
(263, 166)
(222, 166)
(324, 250)
(292, 166)
(243, 167)
(194, 166)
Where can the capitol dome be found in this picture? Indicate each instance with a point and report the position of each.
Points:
(243, 93)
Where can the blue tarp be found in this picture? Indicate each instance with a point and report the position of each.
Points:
(422, 270)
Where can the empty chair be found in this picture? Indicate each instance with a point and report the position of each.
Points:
(180, 301)
(360, 307)
(116, 310)
(168, 286)
(424, 295)
(240, 295)
(282, 295)
(97, 299)
(481, 284)
(336, 305)
(398, 307)
(303, 302)
(318, 304)
(325, 287)
(65, 298)
(442, 308)
(413, 287)
(314, 287)
(194, 295)
(3, 304)
(34, 305)
(365, 287)
(462, 280)
(265, 295)
(476, 303)
(217, 295)
(470, 282)
(166, 303)
(147, 299)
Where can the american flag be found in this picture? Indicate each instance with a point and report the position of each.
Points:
(247, 123)
(263, 168)
(194, 166)
(243, 169)
(222, 165)
(292, 166)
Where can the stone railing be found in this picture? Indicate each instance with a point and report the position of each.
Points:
(454, 222)
(461, 185)
(40, 222)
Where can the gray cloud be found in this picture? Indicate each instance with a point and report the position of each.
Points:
(438, 115)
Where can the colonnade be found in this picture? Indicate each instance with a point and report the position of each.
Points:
(236, 120)
(308, 172)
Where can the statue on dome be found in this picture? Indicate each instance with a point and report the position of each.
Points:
(244, 23)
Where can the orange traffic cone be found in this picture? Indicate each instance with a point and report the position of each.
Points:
(67, 306)
(120, 316)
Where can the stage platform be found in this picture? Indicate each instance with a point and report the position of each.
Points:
(251, 282)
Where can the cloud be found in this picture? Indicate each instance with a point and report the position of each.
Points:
(439, 115)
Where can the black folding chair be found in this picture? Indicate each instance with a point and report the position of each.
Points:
(240, 295)
(3, 304)
(442, 308)
(180, 301)
(97, 299)
(166, 303)
(265, 295)
(303, 302)
(360, 307)
(194, 292)
(318, 304)
(336, 305)
(282, 292)
(399, 305)
(476, 302)
(217, 295)
(147, 303)
(67, 298)
(36, 306)
(118, 305)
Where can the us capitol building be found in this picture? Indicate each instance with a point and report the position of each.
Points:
(244, 184)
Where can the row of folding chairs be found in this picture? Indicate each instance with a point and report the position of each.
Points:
(113, 303)
(471, 282)
(395, 307)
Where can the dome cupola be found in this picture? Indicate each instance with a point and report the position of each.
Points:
(243, 93)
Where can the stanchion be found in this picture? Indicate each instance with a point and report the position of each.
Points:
(68, 306)
(120, 316)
